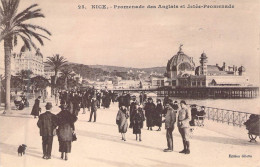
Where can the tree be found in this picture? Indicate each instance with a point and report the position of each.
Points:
(56, 62)
(15, 25)
(15, 83)
(25, 76)
(66, 73)
(73, 83)
(40, 82)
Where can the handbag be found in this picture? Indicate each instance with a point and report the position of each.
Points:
(74, 137)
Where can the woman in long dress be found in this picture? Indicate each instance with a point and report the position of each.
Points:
(149, 109)
(65, 130)
(121, 120)
(36, 107)
(158, 115)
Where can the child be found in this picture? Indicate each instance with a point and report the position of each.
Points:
(200, 116)
(138, 123)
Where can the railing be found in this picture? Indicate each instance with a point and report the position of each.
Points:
(235, 118)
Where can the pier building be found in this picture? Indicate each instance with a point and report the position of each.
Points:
(182, 72)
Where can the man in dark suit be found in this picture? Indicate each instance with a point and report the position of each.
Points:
(170, 120)
(47, 124)
(93, 109)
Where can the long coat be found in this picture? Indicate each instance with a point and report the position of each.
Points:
(138, 119)
(47, 123)
(149, 113)
(133, 109)
(120, 101)
(170, 118)
(65, 122)
(36, 108)
(127, 100)
(121, 120)
(158, 115)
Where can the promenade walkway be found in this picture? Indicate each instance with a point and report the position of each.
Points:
(99, 144)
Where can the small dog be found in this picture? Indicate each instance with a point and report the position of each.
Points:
(21, 149)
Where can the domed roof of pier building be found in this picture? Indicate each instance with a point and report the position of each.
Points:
(181, 61)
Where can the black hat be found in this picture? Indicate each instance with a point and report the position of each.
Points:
(48, 105)
(183, 102)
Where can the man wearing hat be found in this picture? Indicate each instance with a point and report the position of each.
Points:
(47, 124)
(184, 117)
(169, 121)
(93, 109)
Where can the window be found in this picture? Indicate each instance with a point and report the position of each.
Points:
(184, 66)
(193, 83)
(203, 83)
(174, 83)
(198, 83)
(162, 82)
(158, 82)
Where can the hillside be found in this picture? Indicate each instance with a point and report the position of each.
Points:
(160, 70)
(100, 72)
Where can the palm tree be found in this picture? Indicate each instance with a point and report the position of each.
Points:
(56, 62)
(15, 25)
(66, 74)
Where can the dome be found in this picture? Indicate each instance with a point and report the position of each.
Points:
(203, 55)
(242, 69)
(24, 48)
(180, 59)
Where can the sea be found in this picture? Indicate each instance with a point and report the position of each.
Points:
(251, 105)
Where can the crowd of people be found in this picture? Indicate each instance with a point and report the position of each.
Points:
(155, 114)
(137, 112)
(62, 124)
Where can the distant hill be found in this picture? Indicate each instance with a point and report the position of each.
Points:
(100, 72)
(125, 69)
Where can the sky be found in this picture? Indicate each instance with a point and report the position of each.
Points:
(150, 37)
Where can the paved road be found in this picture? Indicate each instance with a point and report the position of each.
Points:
(100, 144)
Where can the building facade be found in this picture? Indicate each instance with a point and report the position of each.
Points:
(29, 60)
(182, 72)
